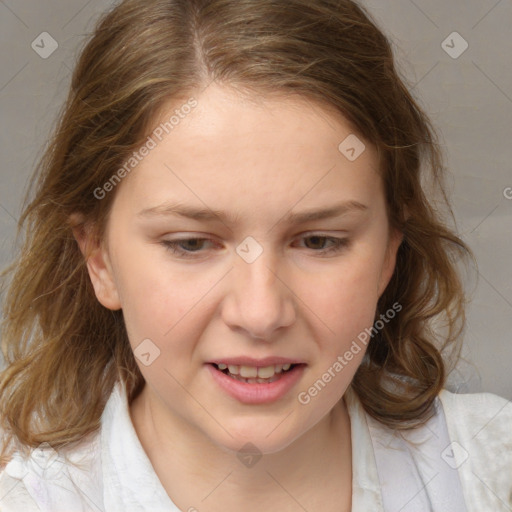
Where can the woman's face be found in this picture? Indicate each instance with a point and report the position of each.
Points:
(279, 254)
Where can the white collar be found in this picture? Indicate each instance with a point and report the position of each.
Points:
(130, 482)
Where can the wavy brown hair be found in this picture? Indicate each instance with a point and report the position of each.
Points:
(64, 350)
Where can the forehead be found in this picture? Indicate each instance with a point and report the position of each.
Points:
(238, 150)
(226, 121)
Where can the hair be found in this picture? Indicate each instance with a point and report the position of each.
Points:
(64, 351)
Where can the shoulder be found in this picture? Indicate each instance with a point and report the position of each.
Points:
(53, 481)
(13, 492)
(480, 430)
(478, 415)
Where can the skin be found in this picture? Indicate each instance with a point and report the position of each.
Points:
(257, 158)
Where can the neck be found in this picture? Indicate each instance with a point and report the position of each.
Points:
(217, 479)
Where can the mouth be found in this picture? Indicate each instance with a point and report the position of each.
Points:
(256, 382)
(255, 374)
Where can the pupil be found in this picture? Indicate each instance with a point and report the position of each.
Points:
(316, 241)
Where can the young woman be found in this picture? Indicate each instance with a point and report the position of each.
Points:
(234, 292)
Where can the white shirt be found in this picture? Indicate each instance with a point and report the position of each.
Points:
(465, 467)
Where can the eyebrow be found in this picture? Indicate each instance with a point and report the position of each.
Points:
(206, 214)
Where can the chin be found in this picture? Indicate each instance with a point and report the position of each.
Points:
(264, 436)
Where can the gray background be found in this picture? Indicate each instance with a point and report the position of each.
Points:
(469, 99)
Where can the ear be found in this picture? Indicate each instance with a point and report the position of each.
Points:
(98, 263)
(388, 267)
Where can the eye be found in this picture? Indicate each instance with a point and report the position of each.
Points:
(188, 247)
(192, 245)
(319, 243)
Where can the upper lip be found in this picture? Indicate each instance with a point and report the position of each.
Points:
(251, 361)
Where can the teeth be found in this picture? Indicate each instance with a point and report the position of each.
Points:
(255, 381)
(254, 373)
(266, 372)
(248, 372)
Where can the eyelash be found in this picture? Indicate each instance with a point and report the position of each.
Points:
(173, 245)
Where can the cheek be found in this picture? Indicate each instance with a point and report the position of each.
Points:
(157, 300)
(163, 318)
(344, 308)
(343, 299)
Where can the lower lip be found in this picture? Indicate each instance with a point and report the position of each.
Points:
(257, 393)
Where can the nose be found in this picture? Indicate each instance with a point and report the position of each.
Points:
(259, 301)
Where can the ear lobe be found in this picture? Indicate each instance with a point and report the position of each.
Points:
(98, 263)
(390, 261)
